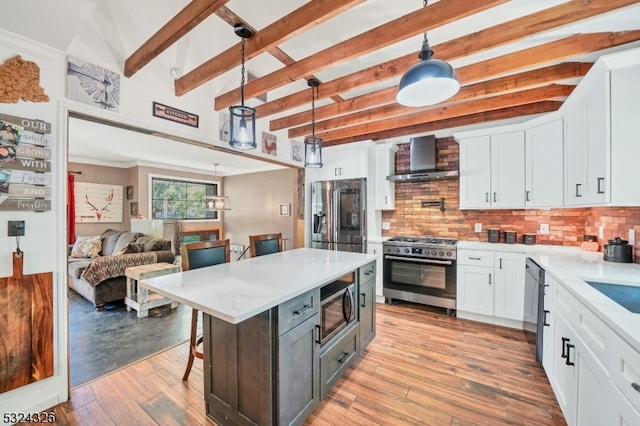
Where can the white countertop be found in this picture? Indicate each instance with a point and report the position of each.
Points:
(573, 266)
(239, 290)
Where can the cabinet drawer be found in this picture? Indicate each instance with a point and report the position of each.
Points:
(337, 358)
(475, 258)
(624, 369)
(367, 272)
(595, 333)
(295, 311)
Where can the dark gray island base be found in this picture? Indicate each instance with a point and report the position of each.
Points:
(271, 369)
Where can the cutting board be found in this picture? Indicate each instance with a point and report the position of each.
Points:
(26, 327)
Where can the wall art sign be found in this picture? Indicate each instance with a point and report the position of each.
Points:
(20, 79)
(174, 114)
(97, 202)
(93, 85)
(269, 144)
(297, 151)
(25, 164)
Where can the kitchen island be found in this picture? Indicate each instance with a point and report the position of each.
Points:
(263, 361)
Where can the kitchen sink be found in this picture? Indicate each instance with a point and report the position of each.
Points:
(626, 296)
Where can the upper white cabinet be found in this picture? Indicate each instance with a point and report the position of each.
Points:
(544, 155)
(385, 165)
(492, 172)
(344, 163)
(587, 139)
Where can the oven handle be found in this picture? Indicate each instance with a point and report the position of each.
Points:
(428, 261)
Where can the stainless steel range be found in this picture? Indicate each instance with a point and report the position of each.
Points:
(421, 270)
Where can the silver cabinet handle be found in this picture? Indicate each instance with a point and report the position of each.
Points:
(600, 181)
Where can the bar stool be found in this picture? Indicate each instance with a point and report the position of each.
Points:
(265, 244)
(198, 255)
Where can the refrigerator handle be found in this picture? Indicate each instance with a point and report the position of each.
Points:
(335, 211)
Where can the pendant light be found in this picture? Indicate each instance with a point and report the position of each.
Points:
(242, 118)
(216, 202)
(428, 82)
(313, 145)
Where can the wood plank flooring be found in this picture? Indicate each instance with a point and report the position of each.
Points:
(423, 368)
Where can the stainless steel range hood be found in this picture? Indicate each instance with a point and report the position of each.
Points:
(422, 162)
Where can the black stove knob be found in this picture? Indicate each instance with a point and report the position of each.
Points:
(407, 250)
(398, 250)
(441, 253)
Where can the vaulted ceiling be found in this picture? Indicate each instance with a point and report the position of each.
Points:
(512, 58)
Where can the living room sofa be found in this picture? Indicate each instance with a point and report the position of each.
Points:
(97, 263)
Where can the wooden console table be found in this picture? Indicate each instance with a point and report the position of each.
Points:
(141, 299)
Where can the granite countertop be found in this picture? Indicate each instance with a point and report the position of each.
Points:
(573, 266)
(239, 290)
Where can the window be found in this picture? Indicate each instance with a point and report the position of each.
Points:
(181, 199)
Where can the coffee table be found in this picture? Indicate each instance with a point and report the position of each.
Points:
(140, 298)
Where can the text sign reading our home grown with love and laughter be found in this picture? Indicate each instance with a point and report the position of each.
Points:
(25, 163)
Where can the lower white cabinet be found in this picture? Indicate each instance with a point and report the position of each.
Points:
(594, 373)
(491, 284)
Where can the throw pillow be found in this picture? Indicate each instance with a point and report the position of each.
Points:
(109, 240)
(150, 243)
(87, 247)
(132, 248)
(124, 239)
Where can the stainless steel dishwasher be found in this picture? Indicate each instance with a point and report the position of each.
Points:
(534, 279)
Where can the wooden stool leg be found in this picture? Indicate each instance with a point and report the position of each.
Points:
(193, 342)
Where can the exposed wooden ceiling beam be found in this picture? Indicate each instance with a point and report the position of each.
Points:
(424, 19)
(557, 50)
(449, 111)
(449, 123)
(298, 21)
(512, 82)
(186, 20)
(495, 36)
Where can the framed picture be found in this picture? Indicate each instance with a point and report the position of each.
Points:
(98, 202)
(134, 208)
(130, 192)
(285, 210)
(93, 85)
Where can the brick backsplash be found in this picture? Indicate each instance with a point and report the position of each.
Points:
(566, 226)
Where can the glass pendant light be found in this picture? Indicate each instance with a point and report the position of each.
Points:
(313, 145)
(428, 82)
(242, 130)
(216, 202)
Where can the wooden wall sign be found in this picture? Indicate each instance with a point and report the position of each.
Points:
(20, 79)
(174, 114)
(26, 341)
(25, 164)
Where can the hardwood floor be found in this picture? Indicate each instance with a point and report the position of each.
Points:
(423, 368)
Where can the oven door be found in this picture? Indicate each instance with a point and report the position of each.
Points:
(336, 311)
(431, 277)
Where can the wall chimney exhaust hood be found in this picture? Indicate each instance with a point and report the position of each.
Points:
(422, 162)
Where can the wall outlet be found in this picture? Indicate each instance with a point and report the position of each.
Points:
(386, 226)
(601, 232)
(237, 248)
(544, 228)
(632, 236)
(477, 227)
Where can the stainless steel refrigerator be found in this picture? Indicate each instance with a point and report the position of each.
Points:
(339, 216)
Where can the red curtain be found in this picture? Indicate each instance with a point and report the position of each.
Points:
(71, 209)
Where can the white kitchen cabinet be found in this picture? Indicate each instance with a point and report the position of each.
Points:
(544, 154)
(587, 142)
(492, 171)
(509, 270)
(563, 380)
(385, 165)
(491, 284)
(376, 249)
(344, 163)
(475, 172)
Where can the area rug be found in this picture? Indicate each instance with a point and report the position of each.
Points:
(104, 341)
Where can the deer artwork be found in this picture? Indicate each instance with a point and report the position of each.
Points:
(100, 212)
